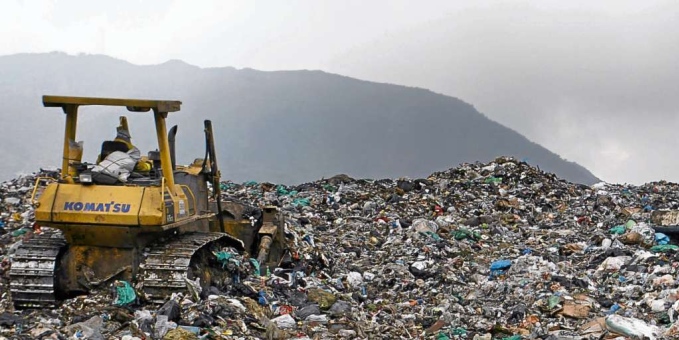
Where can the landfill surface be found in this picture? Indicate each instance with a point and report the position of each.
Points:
(481, 251)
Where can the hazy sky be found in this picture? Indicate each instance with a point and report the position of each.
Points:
(594, 81)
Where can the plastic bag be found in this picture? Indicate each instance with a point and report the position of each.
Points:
(499, 267)
(125, 293)
(118, 164)
(631, 327)
(664, 248)
(661, 239)
(618, 230)
(163, 325)
(305, 202)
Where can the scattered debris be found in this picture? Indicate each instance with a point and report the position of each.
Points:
(480, 251)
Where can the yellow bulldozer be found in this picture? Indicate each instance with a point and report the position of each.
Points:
(157, 226)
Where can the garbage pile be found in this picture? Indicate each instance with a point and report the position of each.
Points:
(482, 251)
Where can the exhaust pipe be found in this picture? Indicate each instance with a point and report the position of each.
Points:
(170, 138)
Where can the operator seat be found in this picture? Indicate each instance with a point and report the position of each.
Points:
(110, 146)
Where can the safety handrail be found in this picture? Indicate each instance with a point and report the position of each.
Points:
(192, 196)
(37, 185)
(162, 193)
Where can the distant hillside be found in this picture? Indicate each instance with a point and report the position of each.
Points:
(285, 127)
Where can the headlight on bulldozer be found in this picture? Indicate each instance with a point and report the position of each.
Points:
(85, 178)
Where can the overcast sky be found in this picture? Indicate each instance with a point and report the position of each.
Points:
(594, 81)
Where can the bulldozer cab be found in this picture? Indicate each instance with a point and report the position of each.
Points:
(71, 163)
(183, 194)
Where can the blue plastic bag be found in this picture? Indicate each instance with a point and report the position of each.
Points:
(661, 239)
(614, 308)
(499, 267)
(262, 298)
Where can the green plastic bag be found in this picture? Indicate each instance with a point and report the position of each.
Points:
(664, 248)
(125, 294)
(250, 183)
(493, 180)
(553, 301)
(618, 230)
(227, 185)
(282, 191)
(19, 232)
(433, 235)
(513, 337)
(255, 264)
(305, 202)
(463, 233)
(442, 336)
(224, 257)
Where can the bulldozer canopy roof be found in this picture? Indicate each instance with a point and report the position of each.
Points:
(135, 105)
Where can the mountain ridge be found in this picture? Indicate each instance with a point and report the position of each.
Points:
(279, 126)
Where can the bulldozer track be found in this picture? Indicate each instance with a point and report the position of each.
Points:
(167, 265)
(33, 270)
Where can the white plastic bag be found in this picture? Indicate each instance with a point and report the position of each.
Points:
(118, 164)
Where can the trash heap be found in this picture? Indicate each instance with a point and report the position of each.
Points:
(16, 211)
(482, 251)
